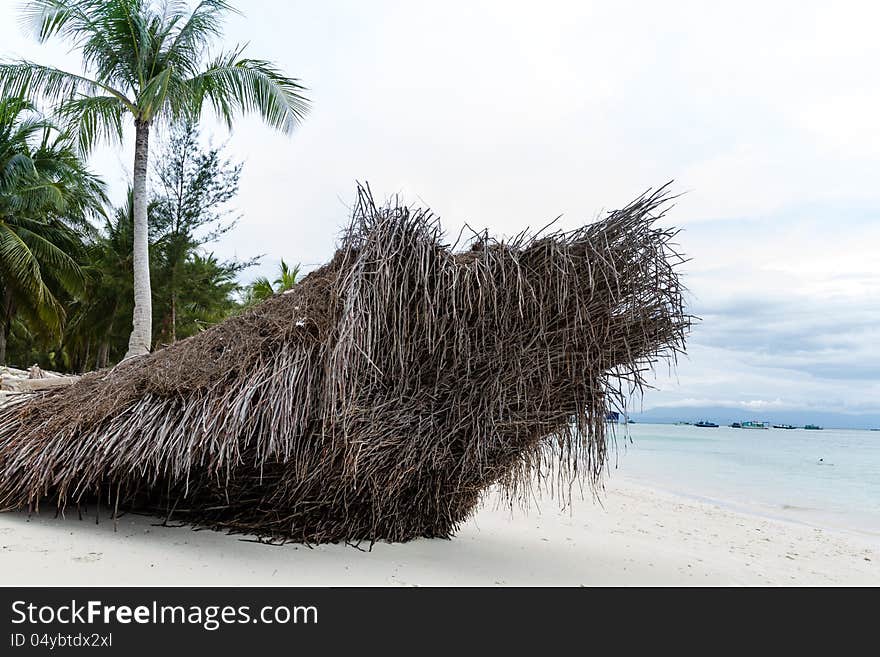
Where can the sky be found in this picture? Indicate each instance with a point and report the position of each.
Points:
(506, 114)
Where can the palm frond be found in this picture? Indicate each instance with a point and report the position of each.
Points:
(188, 44)
(28, 79)
(16, 167)
(287, 278)
(93, 118)
(67, 18)
(261, 288)
(154, 96)
(234, 84)
(19, 266)
(63, 268)
(42, 319)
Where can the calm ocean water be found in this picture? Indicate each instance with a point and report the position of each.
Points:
(774, 472)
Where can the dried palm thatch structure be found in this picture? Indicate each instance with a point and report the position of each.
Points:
(382, 396)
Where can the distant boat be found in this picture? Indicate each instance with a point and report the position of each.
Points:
(706, 423)
(682, 424)
(814, 427)
(755, 424)
(784, 426)
(736, 425)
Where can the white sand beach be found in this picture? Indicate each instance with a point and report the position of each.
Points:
(642, 536)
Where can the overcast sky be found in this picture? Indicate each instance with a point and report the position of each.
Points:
(506, 114)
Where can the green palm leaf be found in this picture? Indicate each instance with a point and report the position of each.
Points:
(64, 269)
(19, 265)
(233, 84)
(93, 119)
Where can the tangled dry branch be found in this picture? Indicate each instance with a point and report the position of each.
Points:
(381, 397)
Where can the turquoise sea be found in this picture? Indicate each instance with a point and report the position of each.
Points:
(773, 472)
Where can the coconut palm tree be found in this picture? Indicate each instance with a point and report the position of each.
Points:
(262, 288)
(45, 189)
(147, 61)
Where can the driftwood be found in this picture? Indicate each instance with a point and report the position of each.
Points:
(14, 384)
(382, 396)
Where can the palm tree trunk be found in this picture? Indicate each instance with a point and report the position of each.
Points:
(5, 321)
(103, 355)
(85, 361)
(141, 338)
(173, 317)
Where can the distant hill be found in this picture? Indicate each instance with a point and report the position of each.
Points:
(723, 415)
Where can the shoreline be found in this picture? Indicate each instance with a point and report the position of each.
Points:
(639, 536)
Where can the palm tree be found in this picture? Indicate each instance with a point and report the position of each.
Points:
(262, 288)
(287, 277)
(44, 189)
(147, 61)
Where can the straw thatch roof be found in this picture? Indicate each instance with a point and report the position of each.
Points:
(380, 397)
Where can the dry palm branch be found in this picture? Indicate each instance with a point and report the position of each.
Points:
(382, 396)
